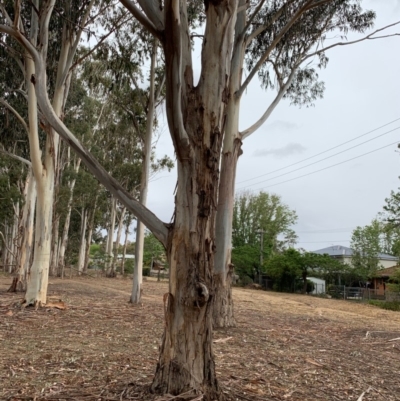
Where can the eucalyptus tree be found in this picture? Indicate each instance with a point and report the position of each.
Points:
(366, 243)
(14, 132)
(116, 69)
(10, 199)
(197, 118)
(283, 44)
(67, 26)
(259, 223)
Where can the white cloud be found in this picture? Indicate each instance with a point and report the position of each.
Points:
(288, 150)
(281, 126)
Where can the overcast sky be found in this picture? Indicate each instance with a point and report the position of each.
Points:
(362, 93)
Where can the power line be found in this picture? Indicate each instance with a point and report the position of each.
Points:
(325, 158)
(325, 231)
(328, 230)
(321, 153)
(326, 168)
(318, 242)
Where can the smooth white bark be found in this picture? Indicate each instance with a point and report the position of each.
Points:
(110, 236)
(118, 239)
(82, 247)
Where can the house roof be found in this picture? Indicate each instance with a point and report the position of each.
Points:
(343, 251)
(388, 272)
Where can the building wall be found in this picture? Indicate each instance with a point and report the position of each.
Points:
(319, 285)
(382, 263)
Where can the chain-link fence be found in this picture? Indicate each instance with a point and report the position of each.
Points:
(361, 294)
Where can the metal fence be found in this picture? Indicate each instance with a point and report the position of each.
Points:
(361, 294)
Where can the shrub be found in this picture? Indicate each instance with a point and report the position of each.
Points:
(388, 305)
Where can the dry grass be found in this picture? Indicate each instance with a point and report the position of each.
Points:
(285, 347)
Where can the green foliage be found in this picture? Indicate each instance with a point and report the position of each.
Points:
(388, 305)
(152, 250)
(250, 214)
(366, 246)
(263, 211)
(306, 34)
(394, 282)
(129, 266)
(246, 259)
(292, 265)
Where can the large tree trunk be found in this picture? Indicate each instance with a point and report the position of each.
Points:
(37, 280)
(186, 360)
(44, 171)
(186, 357)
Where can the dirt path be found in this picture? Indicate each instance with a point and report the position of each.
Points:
(285, 346)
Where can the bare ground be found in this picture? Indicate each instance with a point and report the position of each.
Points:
(285, 347)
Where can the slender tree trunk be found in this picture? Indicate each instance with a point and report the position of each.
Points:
(56, 245)
(223, 313)
(128, 223)
(110, 238)
(144, 184)
(15, 241)
(90, 233)
(82, 248)
(118, 239)
(64, 237)
(26, 228)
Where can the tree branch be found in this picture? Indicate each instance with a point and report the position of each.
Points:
(19, 158)
(153, 11)
(173, 53)
(368, 37)
(142, 18)
(98, 44)
(44, 26)
(149, 219)
(158, 228)
(5, 14)
(244, 134)
(5, 244)
(15, 112)
(308, 6)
